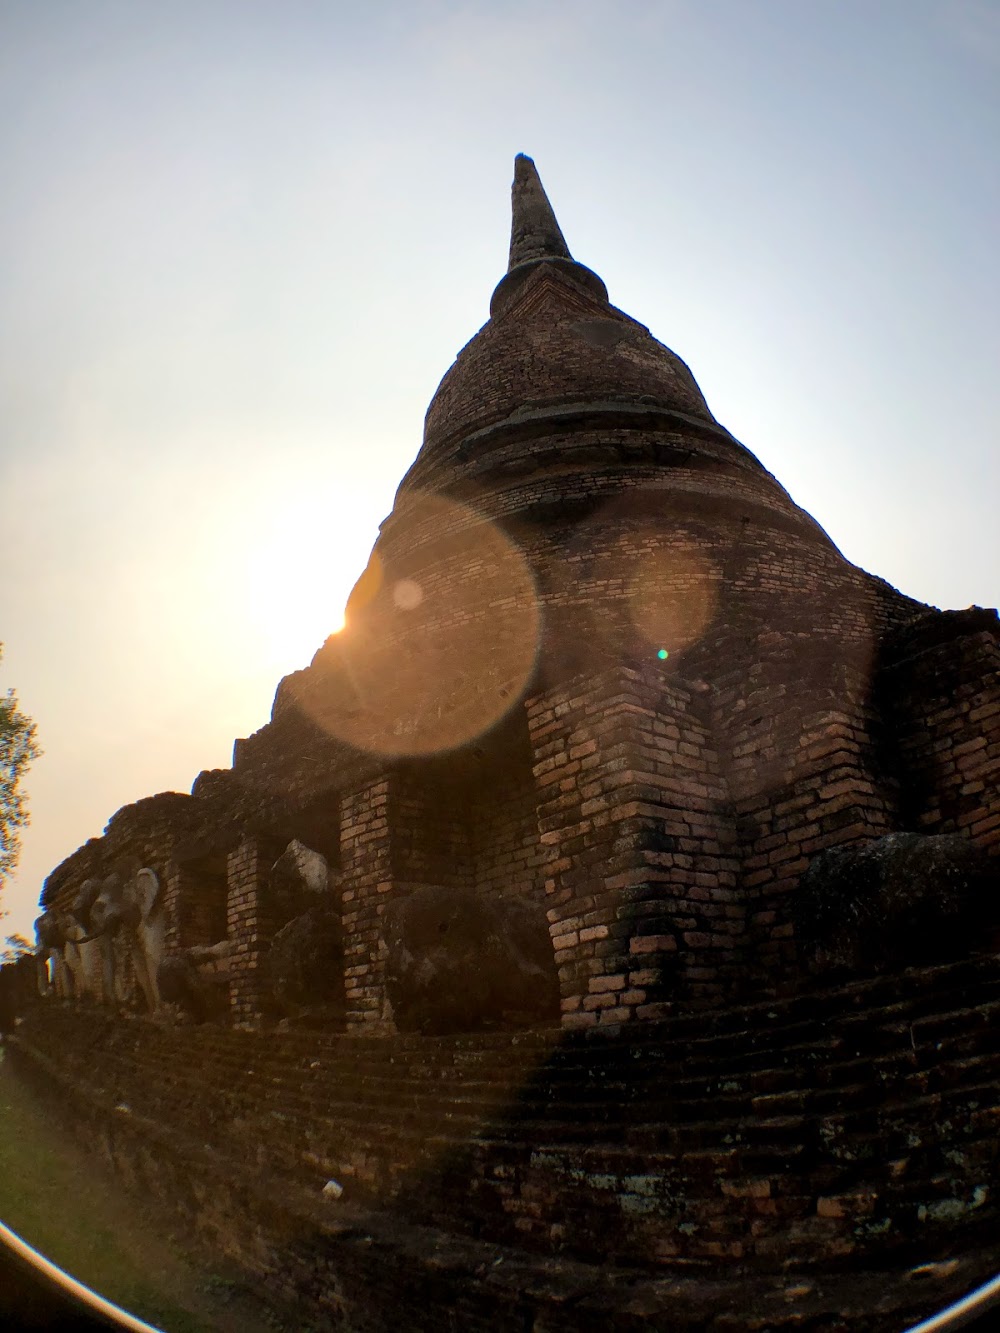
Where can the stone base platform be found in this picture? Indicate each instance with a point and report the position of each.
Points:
(828, 1161)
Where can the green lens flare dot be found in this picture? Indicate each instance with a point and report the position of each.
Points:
(663, 654)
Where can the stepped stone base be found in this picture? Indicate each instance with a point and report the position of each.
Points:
(828, 1161)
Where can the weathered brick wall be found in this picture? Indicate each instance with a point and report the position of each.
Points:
(175, 888)
(641, 870)
(666, 827)
(833, 801)
(508, 857)
(200, 893)
(431, 829)
(855, 1123)
(945, 704)
(421, 825)
(250, 927)
(366, 867)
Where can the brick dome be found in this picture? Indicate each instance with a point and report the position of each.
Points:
(553, 341)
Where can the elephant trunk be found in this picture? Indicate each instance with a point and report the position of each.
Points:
(89, 939)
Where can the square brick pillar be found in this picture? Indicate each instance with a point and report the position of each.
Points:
(367, 880)
(250, 928)
(641, 869)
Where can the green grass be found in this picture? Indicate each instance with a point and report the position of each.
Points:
(71, 1209)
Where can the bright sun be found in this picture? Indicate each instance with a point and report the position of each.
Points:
(295, 584)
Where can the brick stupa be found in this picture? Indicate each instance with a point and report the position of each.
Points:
(602, 665)
(604, 659)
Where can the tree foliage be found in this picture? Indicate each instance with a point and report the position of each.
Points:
(18, 748)
(14, 948)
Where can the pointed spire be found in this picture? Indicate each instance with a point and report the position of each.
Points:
(534, 231)
(537, 241)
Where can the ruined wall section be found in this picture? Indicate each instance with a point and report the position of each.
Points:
(213, 852)
(944, 702)
(299, 753)
(197, 901)
(862, 1162)
(137, 835)
(791, 656)
(820, 789)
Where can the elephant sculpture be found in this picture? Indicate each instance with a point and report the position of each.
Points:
(898, 900)
(196, 979)
(53, 972)
(460, 960)
(124, 917)
(68, 965)
(305, 967)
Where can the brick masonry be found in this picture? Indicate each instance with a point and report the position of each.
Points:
(366, 859)
(251, 928)
(946, 705)
(641, 871)
(845, 1126)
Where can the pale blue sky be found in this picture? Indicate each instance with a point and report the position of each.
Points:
(241, 242)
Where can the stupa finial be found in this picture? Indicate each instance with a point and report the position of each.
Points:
(534, 231)
(536, 241)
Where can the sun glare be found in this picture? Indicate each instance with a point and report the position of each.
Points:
(295, 585)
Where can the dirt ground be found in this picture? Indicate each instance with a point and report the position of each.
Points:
(72, 1209)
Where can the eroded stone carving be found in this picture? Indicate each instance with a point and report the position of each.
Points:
(298, 877)
(89, 953)
(461, 962)
(905, 898)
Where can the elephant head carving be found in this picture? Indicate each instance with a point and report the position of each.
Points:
(119, 902)
(127, 909)
(50, 931)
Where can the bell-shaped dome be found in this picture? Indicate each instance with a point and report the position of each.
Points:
(553, 342)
